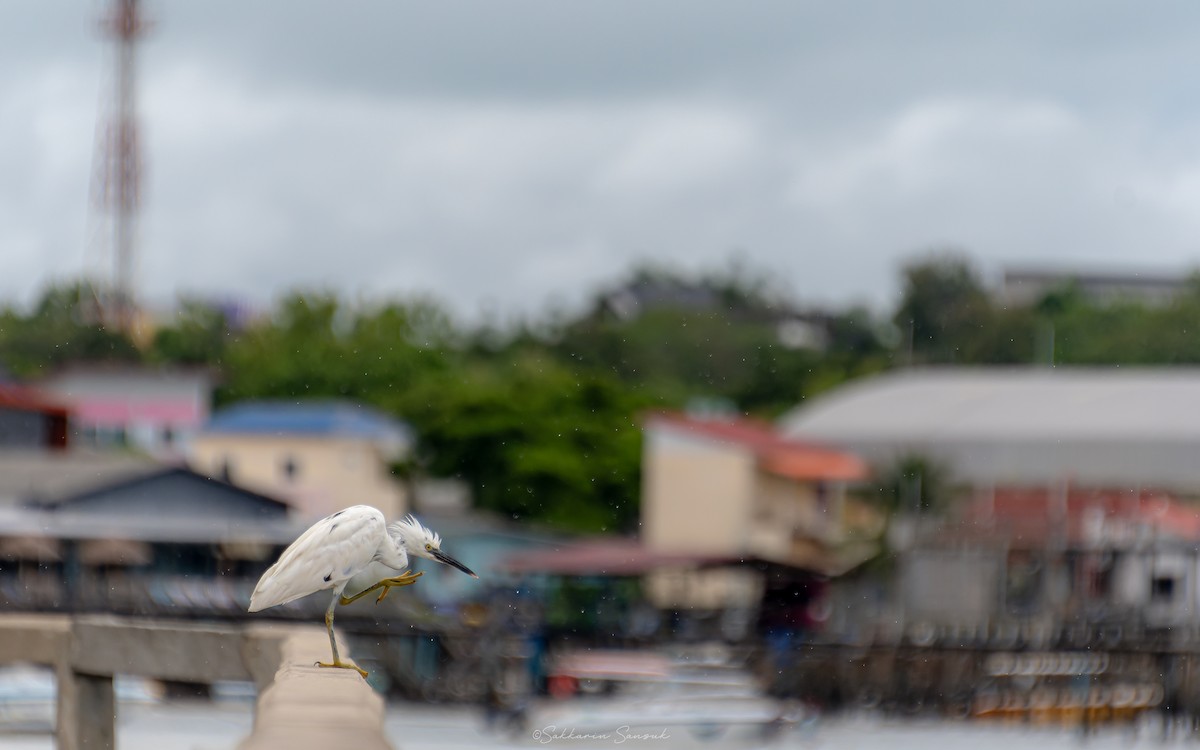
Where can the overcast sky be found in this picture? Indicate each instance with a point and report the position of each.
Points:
(504, 155)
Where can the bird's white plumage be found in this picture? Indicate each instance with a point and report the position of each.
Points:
(411, 529)
(326, 556)
(370, 575)
(406, 531)
(351, 547)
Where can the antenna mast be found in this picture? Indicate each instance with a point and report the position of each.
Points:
(117, 186)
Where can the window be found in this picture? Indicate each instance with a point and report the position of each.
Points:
(1023, 583)
(1162, 589)
(290, 468)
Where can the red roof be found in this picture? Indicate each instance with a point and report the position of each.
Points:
(24, 398)
(613, 557)
(622, 556)
(608, 664)
(776, 454)
(1031, 512)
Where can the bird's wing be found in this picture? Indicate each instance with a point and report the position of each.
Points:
(376, 571)
(324, 557)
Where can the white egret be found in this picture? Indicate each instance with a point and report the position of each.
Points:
(351, 548)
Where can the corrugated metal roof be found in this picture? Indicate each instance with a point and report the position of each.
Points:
(49, 476)
(1108, 426)
(337, 418)
(1008, 403)
(55, 495)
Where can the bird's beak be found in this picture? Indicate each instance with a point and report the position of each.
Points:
(442, 557)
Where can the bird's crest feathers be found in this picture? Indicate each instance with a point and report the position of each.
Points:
(412, 528)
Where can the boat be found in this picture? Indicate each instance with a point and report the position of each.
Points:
(625, 696)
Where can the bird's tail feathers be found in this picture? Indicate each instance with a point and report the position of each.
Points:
(269, 592)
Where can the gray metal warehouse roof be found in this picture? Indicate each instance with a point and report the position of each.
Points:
(1131, 426)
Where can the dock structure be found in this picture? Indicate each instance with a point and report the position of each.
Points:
(986, 681)
(299, 705)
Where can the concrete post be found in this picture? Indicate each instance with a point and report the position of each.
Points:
(66, 729)
(309, 707)
(87, 711)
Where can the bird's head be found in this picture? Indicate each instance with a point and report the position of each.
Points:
(421, 541)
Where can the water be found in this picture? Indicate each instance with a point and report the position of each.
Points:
(188, 726)
(221, 726)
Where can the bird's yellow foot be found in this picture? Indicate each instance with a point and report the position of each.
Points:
(407, 578)
(386, 584)
(339, 664)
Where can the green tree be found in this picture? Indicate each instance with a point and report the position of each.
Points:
(314, 346)
(59, 331)
(198, 335)
(912, 484)
(943, 306)
(673, 337)
(535, 439)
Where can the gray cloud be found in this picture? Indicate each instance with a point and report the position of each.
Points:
(501, 155)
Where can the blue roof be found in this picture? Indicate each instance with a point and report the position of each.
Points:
(335, 418)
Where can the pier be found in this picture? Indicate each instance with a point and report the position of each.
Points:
(299, 705)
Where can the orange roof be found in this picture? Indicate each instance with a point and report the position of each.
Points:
(814, 464)
(778, 455)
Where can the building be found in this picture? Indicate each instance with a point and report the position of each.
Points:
(1022, 287)
(1096, 427)
(1053, 564)
(30, 420)
(153, 410)
(1073, 523)
(321, 456)
(36, 475)
(736, 489)
(83, 530)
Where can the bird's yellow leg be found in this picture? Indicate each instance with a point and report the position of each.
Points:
(337, 660)
(405, 579)
(343, 665)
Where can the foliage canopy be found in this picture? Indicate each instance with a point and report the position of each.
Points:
(542, 418)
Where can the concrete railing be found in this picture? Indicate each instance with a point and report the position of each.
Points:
(299, 705)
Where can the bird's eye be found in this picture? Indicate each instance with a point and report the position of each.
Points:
(429, 548)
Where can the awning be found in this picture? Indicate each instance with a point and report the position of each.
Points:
(246, 550)
(39, 548)
(616, 557)
(625, 557)
(114, 552)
